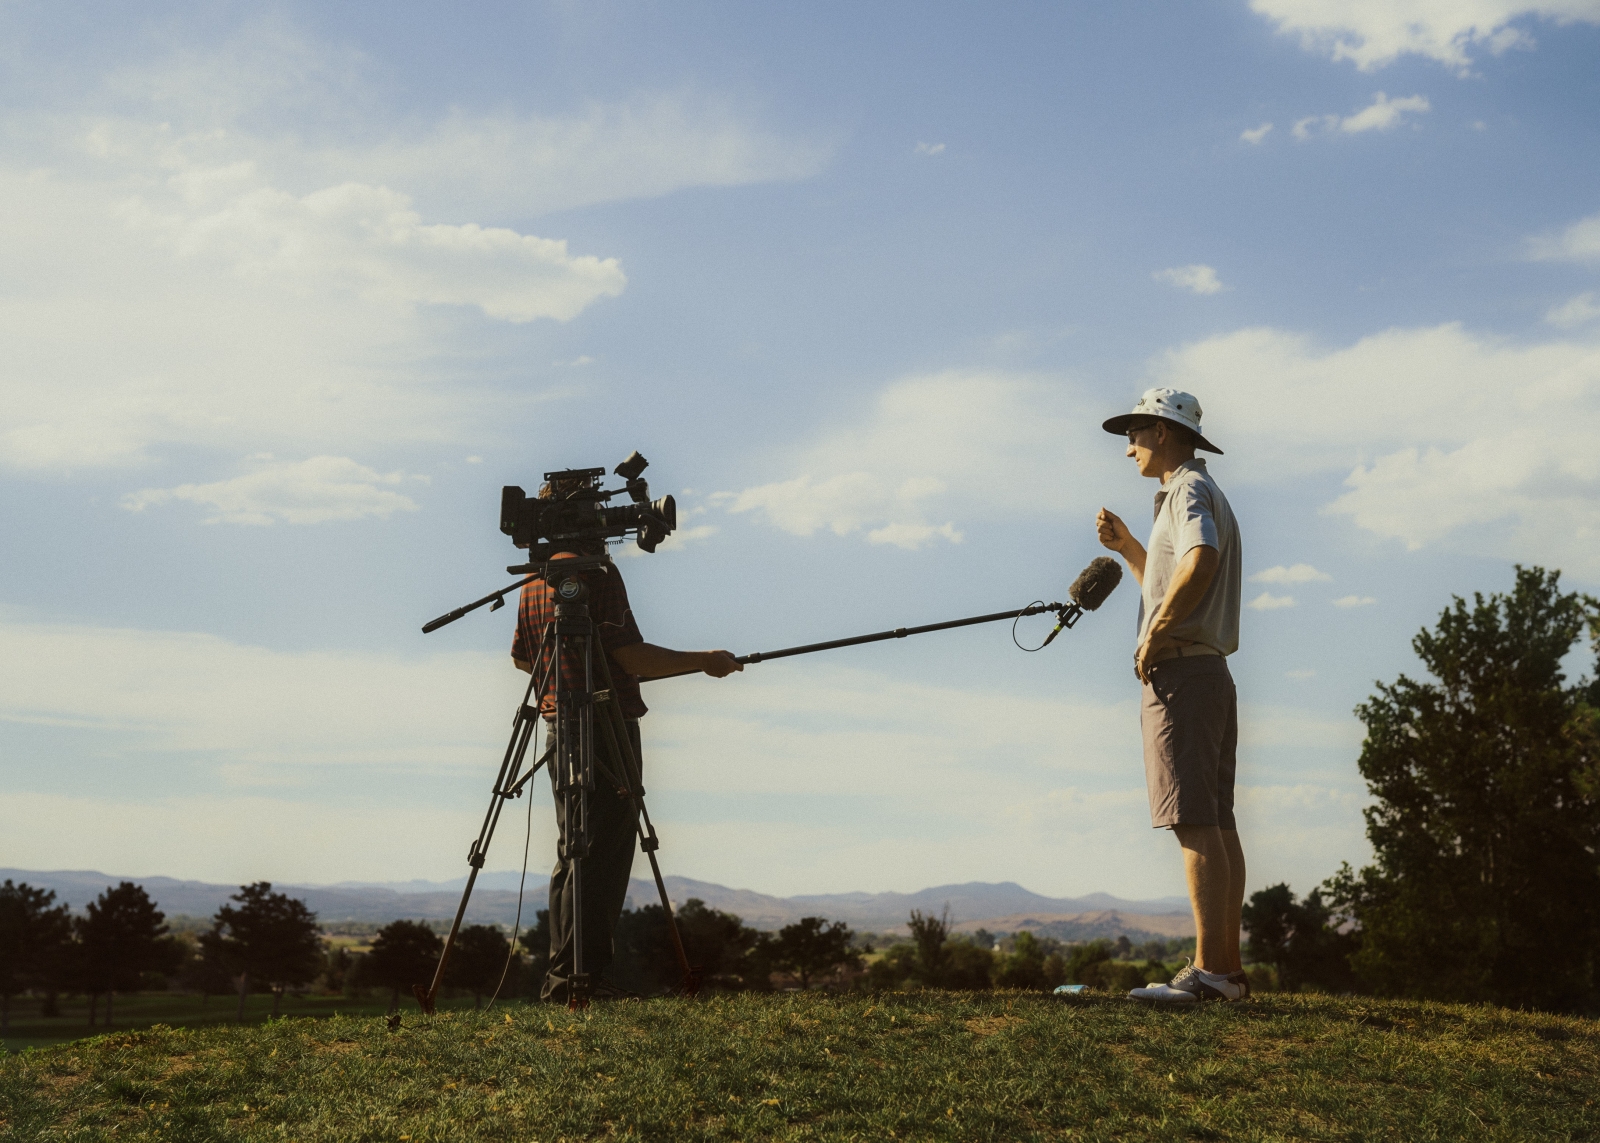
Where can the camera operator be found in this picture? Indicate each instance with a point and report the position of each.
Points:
(612, 831)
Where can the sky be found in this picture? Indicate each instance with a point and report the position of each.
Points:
(291, 290)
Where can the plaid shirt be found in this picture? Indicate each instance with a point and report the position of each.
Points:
(614, 627)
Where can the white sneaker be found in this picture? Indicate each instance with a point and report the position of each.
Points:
(1191, 986)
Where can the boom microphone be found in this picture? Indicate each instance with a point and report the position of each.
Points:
(1095, 583)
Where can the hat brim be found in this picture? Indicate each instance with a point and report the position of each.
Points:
(1119, 426)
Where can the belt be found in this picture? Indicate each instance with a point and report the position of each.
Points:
(1193, 650)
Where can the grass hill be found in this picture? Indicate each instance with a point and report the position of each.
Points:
(1004, 1066)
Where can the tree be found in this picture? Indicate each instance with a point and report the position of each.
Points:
(479, 961)
(537, 943)
(811, 947)
(33, 938)
(930, 935)
(270, 938)
(121, 936)
(1300, 939)
(403, 953)
(718, 945)
(1487, 820)
(1023, 966)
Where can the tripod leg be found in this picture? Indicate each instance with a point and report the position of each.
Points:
(506, 786)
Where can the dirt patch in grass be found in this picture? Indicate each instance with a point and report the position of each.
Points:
(989, 1025)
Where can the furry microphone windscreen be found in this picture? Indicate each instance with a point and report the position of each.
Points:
(1095, 582)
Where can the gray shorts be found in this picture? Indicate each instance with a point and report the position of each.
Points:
(1190, 719)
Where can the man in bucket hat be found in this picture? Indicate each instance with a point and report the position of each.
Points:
(1189, 577)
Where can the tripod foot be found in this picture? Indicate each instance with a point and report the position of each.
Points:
(421, 993)
(690, 988)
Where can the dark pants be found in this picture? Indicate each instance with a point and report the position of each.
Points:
(605, 874)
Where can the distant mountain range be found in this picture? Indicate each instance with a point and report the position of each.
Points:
(1000, 908)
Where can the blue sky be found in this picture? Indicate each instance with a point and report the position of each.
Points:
(290, 293)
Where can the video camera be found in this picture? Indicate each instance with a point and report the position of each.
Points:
(571, 509)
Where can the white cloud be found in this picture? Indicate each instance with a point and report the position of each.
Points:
(1382, 114)
(927, 450)
(1266, 601)
(1580, 310)
(196, 276)
(1444, 435)
(367, 240)
(1579, 242)
(930, 148)
(1372, 33)
(173, 693)
(1354, 601)
(1197, 279)
(1255, 134)
(313, 491)
(1299, 573)
(212, 106)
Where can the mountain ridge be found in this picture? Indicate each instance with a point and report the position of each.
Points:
(971, 904)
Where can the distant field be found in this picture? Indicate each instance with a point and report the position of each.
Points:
(1000, 1066)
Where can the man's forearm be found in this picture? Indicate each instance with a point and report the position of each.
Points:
(649, 661)
(1133, 552)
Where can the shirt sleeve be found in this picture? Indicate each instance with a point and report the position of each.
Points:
(1194, 524)
(519, 644)
(613, 617)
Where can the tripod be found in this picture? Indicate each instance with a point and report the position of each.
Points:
(588, 745)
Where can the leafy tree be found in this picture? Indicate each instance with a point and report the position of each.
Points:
(1023, 967)
(1300, 940)
(208, 968)
(338, 966)
(721, 948)
(812, 947)
(1487, 822)
(478, 962)
(33, 939)
(269, 937)
(121, 936)
(403, 953)
(969, 966)
(537, 943)
(929, 934)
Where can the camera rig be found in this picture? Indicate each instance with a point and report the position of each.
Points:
(572, 509)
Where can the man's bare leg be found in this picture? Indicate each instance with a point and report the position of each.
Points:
(1206, 861)
(1235, 852)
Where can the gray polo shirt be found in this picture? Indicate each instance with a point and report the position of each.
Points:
(1191, 512)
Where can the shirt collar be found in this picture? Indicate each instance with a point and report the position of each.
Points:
(1197, 465)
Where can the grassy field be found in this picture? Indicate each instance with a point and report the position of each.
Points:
(30, 1030)
(808, 1066)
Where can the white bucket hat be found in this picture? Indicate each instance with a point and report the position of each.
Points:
(1169, 405)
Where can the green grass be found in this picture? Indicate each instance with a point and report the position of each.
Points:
(807, 1066)
(30, 1030)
